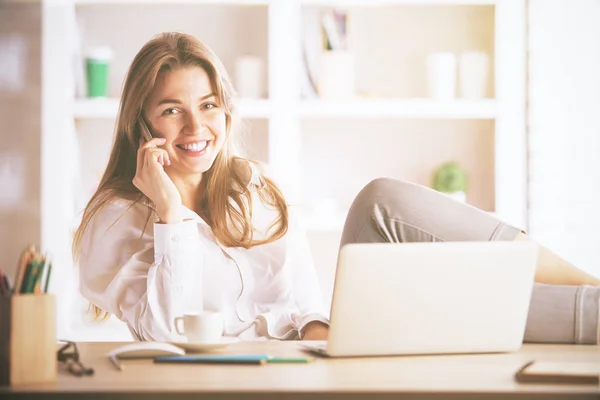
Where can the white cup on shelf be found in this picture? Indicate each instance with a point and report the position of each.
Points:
(202, 327)
(441, 75)
(473, 74)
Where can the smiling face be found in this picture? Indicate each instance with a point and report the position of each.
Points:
(183, 109)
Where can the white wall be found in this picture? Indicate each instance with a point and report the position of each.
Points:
(20, 108)
(564, 128)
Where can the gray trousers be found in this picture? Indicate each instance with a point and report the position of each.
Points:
(393, 211)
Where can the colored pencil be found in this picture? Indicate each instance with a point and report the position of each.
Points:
(289, 360)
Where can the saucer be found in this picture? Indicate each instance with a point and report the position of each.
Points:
(205, 346)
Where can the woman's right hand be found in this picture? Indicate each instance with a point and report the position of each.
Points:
(152, 180)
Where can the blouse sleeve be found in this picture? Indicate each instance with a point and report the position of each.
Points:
(136, 269)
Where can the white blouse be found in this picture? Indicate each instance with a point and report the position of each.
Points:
(148, 275)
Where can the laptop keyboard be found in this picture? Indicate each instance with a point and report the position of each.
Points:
(318, 344)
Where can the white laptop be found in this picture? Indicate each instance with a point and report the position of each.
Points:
(429, 298)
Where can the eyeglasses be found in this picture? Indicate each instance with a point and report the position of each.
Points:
(69, 354)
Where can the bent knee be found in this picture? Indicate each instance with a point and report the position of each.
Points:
(384, 187)
(391, 196)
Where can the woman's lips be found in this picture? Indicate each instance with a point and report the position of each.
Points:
(194, 149)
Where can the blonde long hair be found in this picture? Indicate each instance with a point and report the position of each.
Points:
(226, 199)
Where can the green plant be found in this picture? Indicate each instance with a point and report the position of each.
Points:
(449, 178)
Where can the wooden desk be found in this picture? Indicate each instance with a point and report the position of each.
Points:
(487, 376)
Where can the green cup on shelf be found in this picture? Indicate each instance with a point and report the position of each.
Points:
(97, 63)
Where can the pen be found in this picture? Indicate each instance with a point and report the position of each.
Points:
(115, 361)
(289, 360)
(7, 285)
(3, 286)
(246, 359)
(233, 359)
(44, 274)
(48, 272)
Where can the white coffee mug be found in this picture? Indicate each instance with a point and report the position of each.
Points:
(441, 75)
(203, 327)
(473, 74)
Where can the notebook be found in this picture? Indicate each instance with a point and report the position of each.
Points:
(559, 372)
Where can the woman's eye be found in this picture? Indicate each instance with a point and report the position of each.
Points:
(210, 106)
(170, 111)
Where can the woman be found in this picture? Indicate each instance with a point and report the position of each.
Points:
(180, 223)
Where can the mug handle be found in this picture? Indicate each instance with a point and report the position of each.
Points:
(177, 321)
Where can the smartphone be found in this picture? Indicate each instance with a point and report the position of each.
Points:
(146, 135)
(559, 372)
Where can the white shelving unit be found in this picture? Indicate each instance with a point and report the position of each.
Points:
(376, 108)
(384, 3)
(108, 107)
(335, 3)
(413, 108)
(285, 114)
(207, 2)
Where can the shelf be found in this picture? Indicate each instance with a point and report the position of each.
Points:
(335, 223)
(348, 3)
(343, 3)
(170, 2)
(96, 108)
(108, 107)
(412, 108)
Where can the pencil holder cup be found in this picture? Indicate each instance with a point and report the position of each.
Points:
(27, 339)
